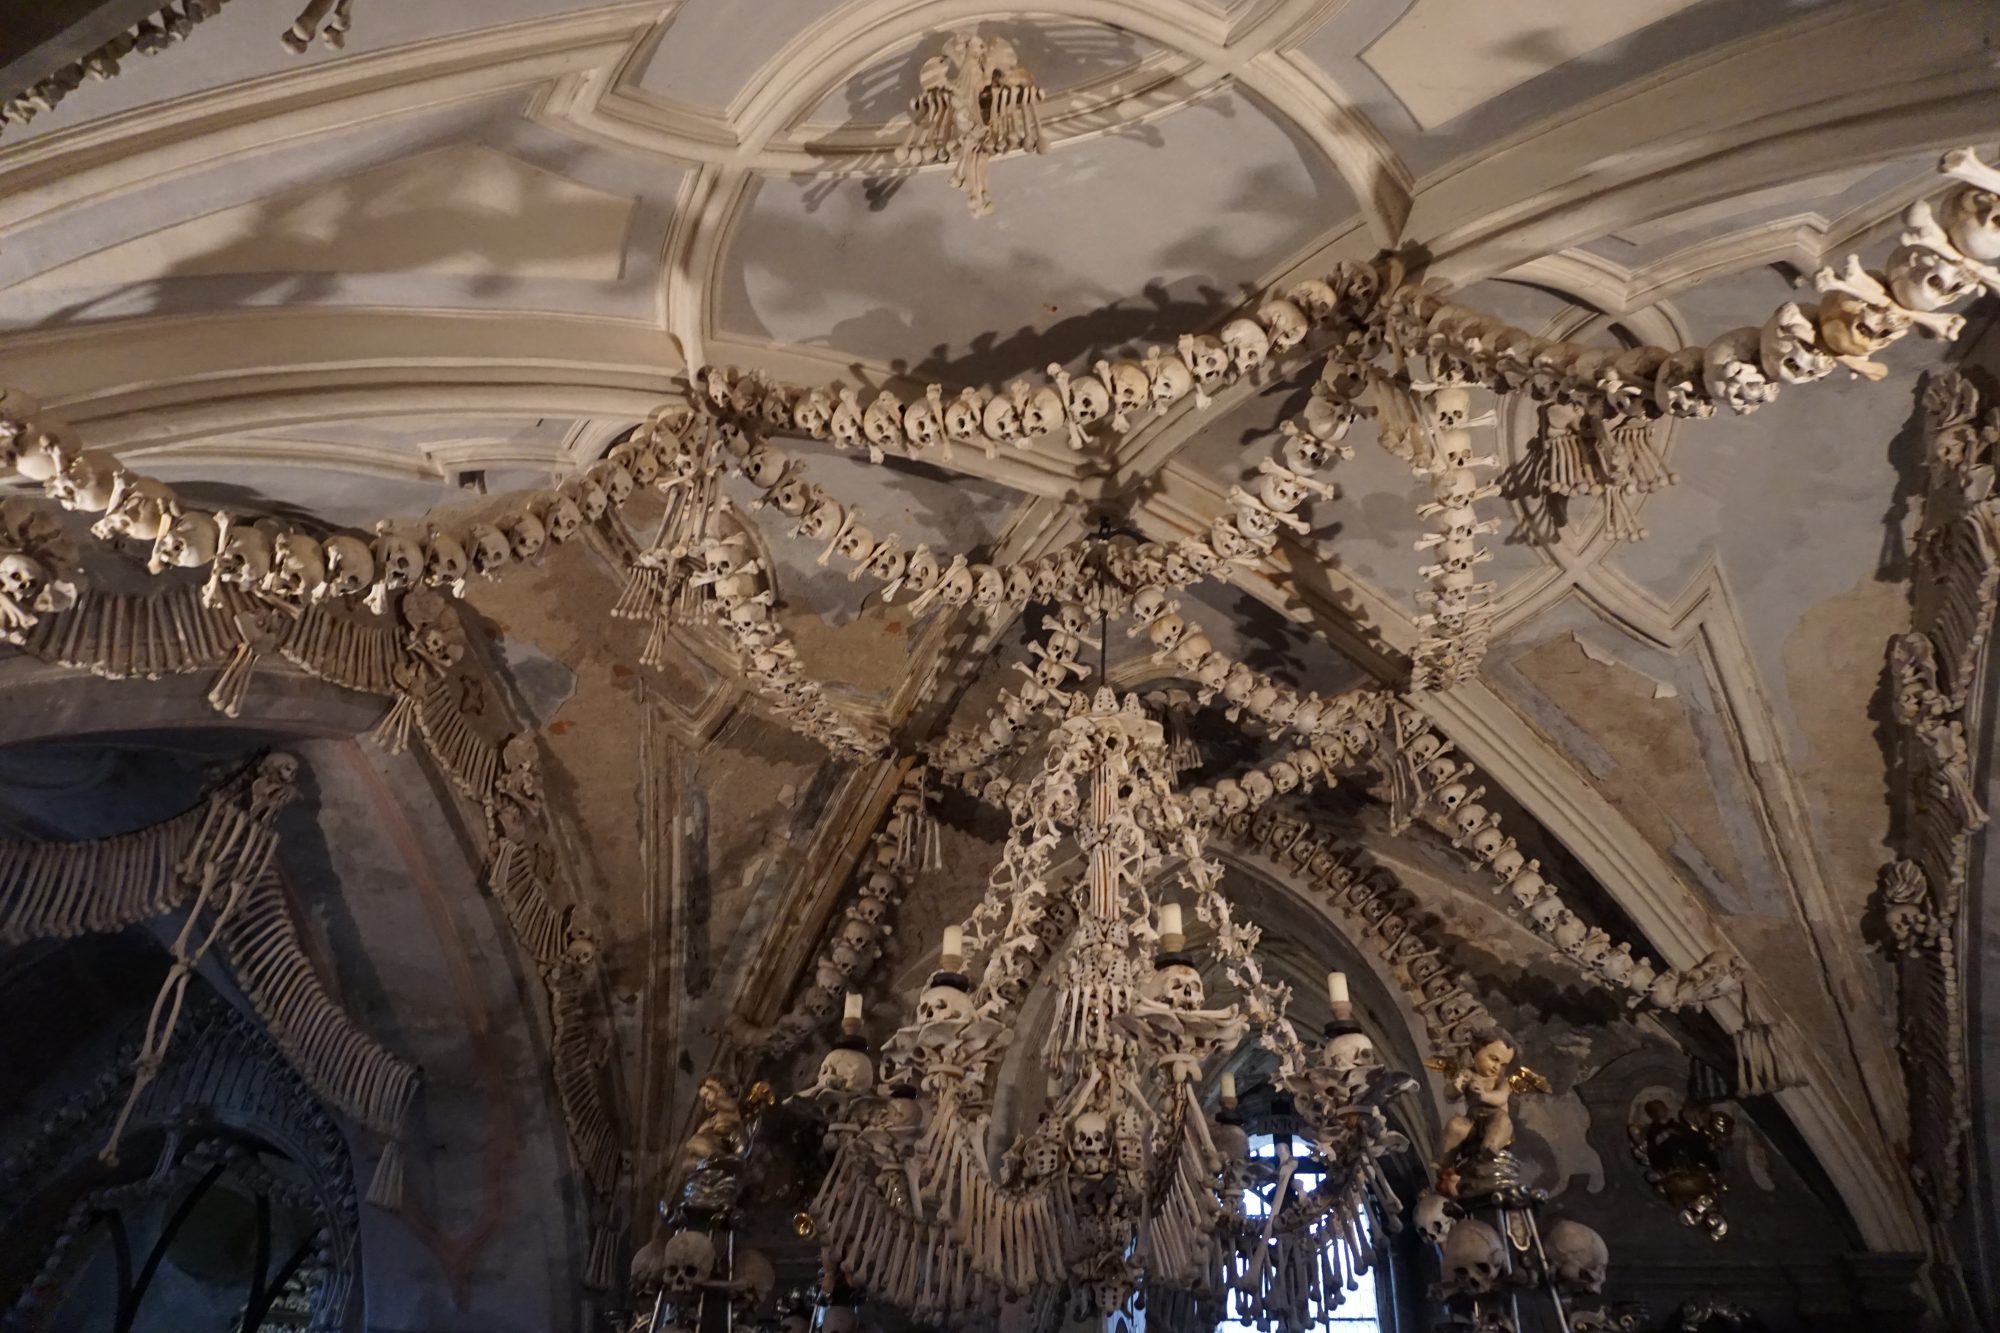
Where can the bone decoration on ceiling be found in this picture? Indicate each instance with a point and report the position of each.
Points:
(1283, 715)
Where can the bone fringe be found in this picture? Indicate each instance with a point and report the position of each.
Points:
(579, 1062)
(467, 758)
(168, 632)
(338, 648)
(392, 733)
(537, 923)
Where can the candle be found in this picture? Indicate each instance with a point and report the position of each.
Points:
(1170, 919)
(852, 1012)
(1336, 987)
(1228, 1088)
(953, 953)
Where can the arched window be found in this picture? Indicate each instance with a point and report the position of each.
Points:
(1362, 1310)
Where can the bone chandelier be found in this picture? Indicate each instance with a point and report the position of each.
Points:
(1125, 1186)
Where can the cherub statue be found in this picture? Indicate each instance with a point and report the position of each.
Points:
(706, 1170)
(1486, 1091)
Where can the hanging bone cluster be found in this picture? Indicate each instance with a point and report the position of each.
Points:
(975, 101)
(1459, 618)
(148, 37)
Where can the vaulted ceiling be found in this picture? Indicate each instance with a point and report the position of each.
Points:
(471, 250)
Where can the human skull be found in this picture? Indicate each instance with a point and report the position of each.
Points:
(1350, 1051)
(350, 566)
(1923, 280)
(1284, 322)
(921, 424)
(141, 509)
(22, 579)
(562, 518)
(1002, 418)
(445, 560)
(589, 497)
(686, 1262)
(1085, 397)
(1168, 378)
(490, 551)
(1434, 1215)
(1178, 986)
(1130, 389)
(87, 481)
(189, 542)
(1205, 355)
(1042, 411)
(944, 1004)
(526, 535)
(1677, 390)
(1578, 1257)
(640, 462)
(1473, 1261)
(1249, 346)
(845, 1072)
(1090, 1145)
(1316, 298)
(883, 421)
(813, 413)
(1284, 777)
(1788, 348)
(245, 558)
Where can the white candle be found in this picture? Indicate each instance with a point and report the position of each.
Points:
(1336, 987)
(953, 952)
(1170, 919)
(852, 1012)
(1228, 1086)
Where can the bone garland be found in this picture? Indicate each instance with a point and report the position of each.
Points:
(1860, 312)
(848, 957)
(744, 602)
(288, 567)
(1341, 307)
(148, 37)
(1374, 906)
(975, 102)
(125, 635)
(235, 846)
(1934, 676)
(336, 15)
(59, 890)
(580, 1049)
(337, 1059)
(1460, 617)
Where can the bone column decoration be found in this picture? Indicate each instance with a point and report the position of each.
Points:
(1124, 1139)
(1935, 673)
(1458, 619)
(975, 101)
(172, 24)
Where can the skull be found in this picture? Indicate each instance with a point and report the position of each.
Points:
(562, 518)
(1677, 390)
(1923, 280)
(883, 421)
(350, 566)
(1001, 419)
(1284, 777)
(21, 579)
(1205, 355)
(1247, 343)
(636, 456)
(1168, 378)
(849, 431)
(1090, 1145)
(1042, 411)
(944, 1004)
(962, 417)
(140, 509)
(1316, 298)
(1284, 322)
(246, 556)
(921, 423)
(445, 561)
(1350, 1051)
(189, 542)
(1473, 1261)
(845, 1072)
(1971, 217)
(1130, 389)
(1578, 1257)
(813, 412)
(1258, 787)
(1177, 985)
(526, 535)
(613, 479)
(1788, 350)
(399, 561)
(1434, 1215)
(591, 501)
(1849, 326)
(686, 1262)
(1085, 397)
(490, 551)
(87, 481)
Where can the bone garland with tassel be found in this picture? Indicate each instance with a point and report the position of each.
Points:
(232, 851)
